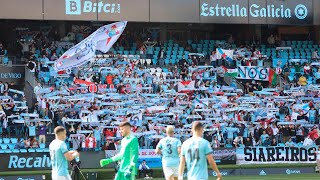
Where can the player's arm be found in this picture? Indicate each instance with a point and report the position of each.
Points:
(179, 150)
(135, 151)
(104, 162)
(158, 148)
(213, 165)
(181, 167)
(69, 155)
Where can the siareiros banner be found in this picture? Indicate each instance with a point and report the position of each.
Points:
(278, 154)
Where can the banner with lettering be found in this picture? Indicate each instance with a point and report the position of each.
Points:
(253, 73)
(278, 154)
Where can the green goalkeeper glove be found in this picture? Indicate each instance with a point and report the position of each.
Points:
(104, 162)
(127, 173)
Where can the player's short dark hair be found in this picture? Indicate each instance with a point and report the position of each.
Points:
(197, 126)
(59, 129)
(125, 123)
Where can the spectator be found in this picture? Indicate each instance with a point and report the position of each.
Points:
(97, 136)
(248, 142)
(27, 143)
(20, 144)
(264, 137)
(215, 142)
(315, 55)
(274, 142)
(285, 133)
(267, 142)
(42, 131)
(144, 170)
(32, 130)
(271, 40)
(238, 141)
(308, 142)
(290, 143)
(34, 143)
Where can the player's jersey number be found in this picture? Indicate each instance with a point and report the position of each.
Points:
(169, 146)
(193, 155)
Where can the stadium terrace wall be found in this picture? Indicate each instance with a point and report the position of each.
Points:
(14, 74)
(284, 12)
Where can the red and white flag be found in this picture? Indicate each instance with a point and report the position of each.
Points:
(186, 86)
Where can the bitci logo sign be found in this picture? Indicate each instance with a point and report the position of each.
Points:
(78, 7)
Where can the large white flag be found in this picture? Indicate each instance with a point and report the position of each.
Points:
(102, 39)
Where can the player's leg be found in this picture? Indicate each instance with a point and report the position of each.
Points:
(169, 173)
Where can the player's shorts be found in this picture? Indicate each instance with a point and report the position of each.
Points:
(170, 171)
(56, 177)
(120, 176)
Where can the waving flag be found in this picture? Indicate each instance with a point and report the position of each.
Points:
(102, 39)
(225, 54)
(230, 72)
(186, 86)
(136, 120)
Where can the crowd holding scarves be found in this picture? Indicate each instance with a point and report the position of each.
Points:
(108, 89)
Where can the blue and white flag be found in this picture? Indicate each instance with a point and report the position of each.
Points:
(136, 120)
(224, 54)
(102, 40)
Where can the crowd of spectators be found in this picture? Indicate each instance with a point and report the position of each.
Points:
(152, 94)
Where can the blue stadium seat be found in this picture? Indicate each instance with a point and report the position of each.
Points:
(31, 150)
(228, 146)
(1, 140)
(15, 151)
(14, 140)
(46, 150)
(42, 145)
(3, 146)
(8, 151)
(1, 151)
(23, 151)
(39, 150)
(6, 140)
(11, 146)
(154, 61)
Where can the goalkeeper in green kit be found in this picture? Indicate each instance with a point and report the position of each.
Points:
(128, 154)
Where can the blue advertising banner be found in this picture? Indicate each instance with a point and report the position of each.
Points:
(35, 177)
(42, 161)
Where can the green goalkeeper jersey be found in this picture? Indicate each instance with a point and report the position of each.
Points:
(128, 154)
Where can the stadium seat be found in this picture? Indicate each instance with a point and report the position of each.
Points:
(11, 146)
(46, 150)
(1, 151)
(31, 150)
(23, 151)
(15, 151)
(228, 146)
(1, 140)
(3, 146)
(42, 145)
(14, 140)
(39, 150)
(8, 151)
(6, 140)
